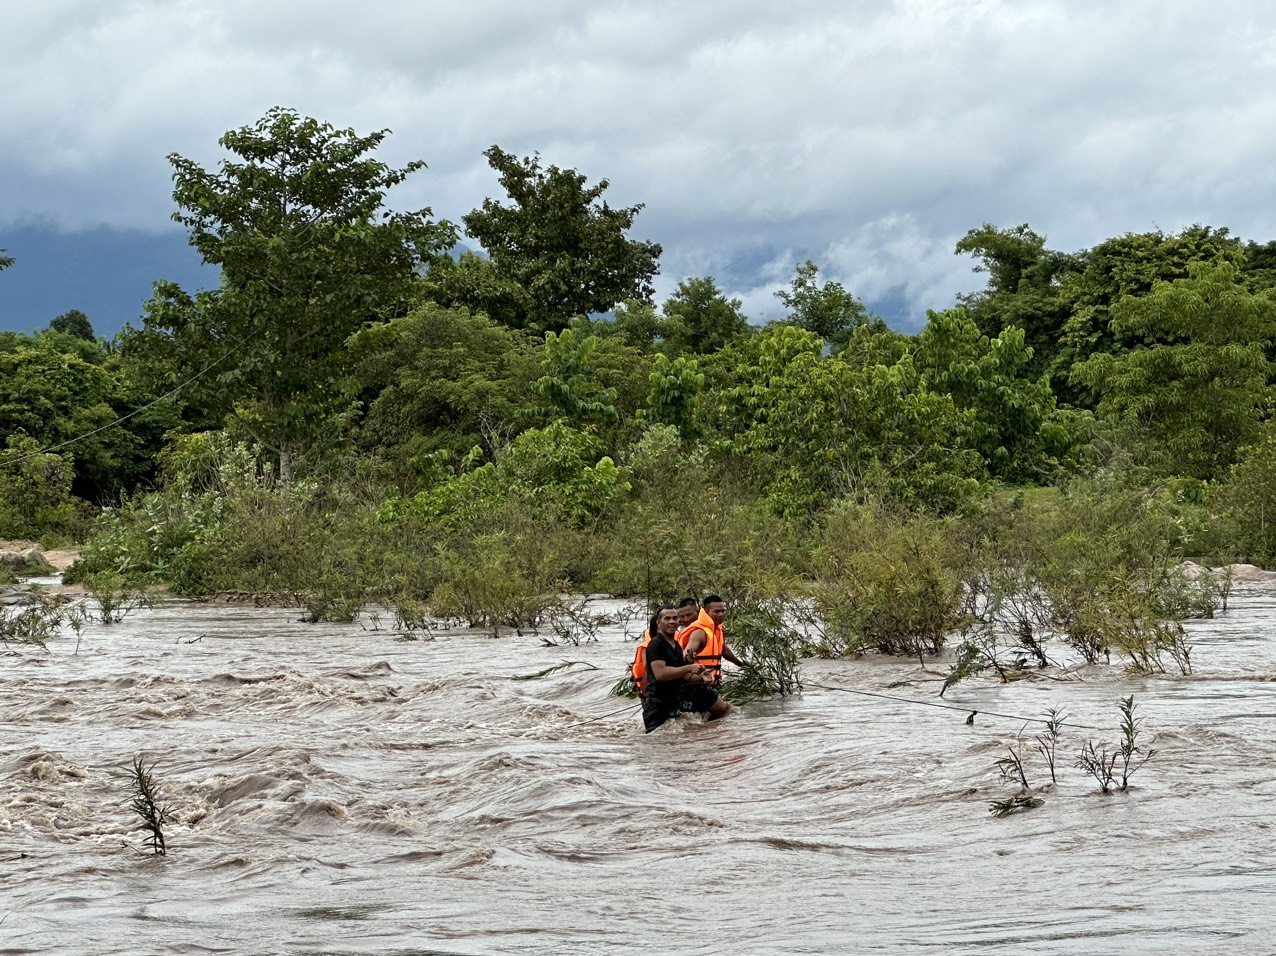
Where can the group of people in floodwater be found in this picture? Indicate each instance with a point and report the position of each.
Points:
(678, 665)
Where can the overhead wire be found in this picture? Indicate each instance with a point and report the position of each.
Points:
(930, 703)
(123, 418)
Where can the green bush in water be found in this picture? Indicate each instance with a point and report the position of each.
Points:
(884, 582)
(769, 650)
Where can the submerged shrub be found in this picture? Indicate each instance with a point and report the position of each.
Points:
(769, 650)
(883, 582)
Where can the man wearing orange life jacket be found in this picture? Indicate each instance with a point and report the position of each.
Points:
(688, 611)
(704, 643)
(673, 685)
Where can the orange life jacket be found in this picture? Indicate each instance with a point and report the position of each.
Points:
(711, 654)
(638, 669)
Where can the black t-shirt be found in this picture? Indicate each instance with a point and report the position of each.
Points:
(665, 691)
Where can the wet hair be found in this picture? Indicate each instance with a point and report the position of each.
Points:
(712, 599)
(688, 602)
(651, 628)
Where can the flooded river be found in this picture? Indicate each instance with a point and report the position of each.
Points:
(337, 790)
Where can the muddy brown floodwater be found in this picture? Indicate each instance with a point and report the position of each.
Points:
(335, 790)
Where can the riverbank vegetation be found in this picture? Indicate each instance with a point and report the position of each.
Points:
(366, 412)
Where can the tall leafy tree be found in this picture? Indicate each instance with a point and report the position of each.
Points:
(826, 309)
(560, 242)
(1121, 267)
(442, 380)
(1013, 423)
(570, 385)
(1187, 406)
(699, 318)
(1023, 288)
(308, 254)
(74, 323)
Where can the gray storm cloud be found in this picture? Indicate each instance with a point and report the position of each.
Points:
(866, 136)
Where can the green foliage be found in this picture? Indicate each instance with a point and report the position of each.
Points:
(1099, 567)
(1248, 500)
(560, 242)
(814, 429)
(1187, 404)
(674, 398)
(56, 388)
(75, 324)
(827, 311)
(569, 384)
(1125, 266)
(558, 468)
(885, 582)
(308, 255)
(636, 324)
(1106, 765)
(115, 596)
(34, 624)
(769, 650)
(441, 381)
(700, 319)
(476, 285)
(1013, 425)
(35, 493)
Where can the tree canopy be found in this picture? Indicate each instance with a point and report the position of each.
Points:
(308, 255)
(560, 242)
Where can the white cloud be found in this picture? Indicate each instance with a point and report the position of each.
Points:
(867, 135)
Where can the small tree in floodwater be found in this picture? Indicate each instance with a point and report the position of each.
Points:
(1105, 765)
(147, 806)
(768, 648)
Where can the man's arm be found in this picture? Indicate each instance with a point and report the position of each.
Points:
(696, 640)
(662, 671)
(729, 655)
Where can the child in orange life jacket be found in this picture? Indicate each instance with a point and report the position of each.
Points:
(703, 640)
(673, 686)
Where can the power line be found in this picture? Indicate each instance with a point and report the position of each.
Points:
(123, 418)
(931, 703)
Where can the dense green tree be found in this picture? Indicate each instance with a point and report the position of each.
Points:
(1248, 499)
(1012, 426)
(636, 324)
(473, 283)
(442, 380)
(700, 319)
(5, 261)
(308, 255)
(560, 242)
(1260, 265)
(811, 428)
(1023, 288)
(74, 323)
(569, 385)
(35, 492)
(55, 396)
(1127, 266)
(674, 398)
(827, 309)
(1185, 408)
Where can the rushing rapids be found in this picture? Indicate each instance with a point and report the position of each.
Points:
(336, 789)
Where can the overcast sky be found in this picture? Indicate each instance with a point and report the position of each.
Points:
(868, 136)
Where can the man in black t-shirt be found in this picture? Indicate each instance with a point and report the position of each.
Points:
(674, 686)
